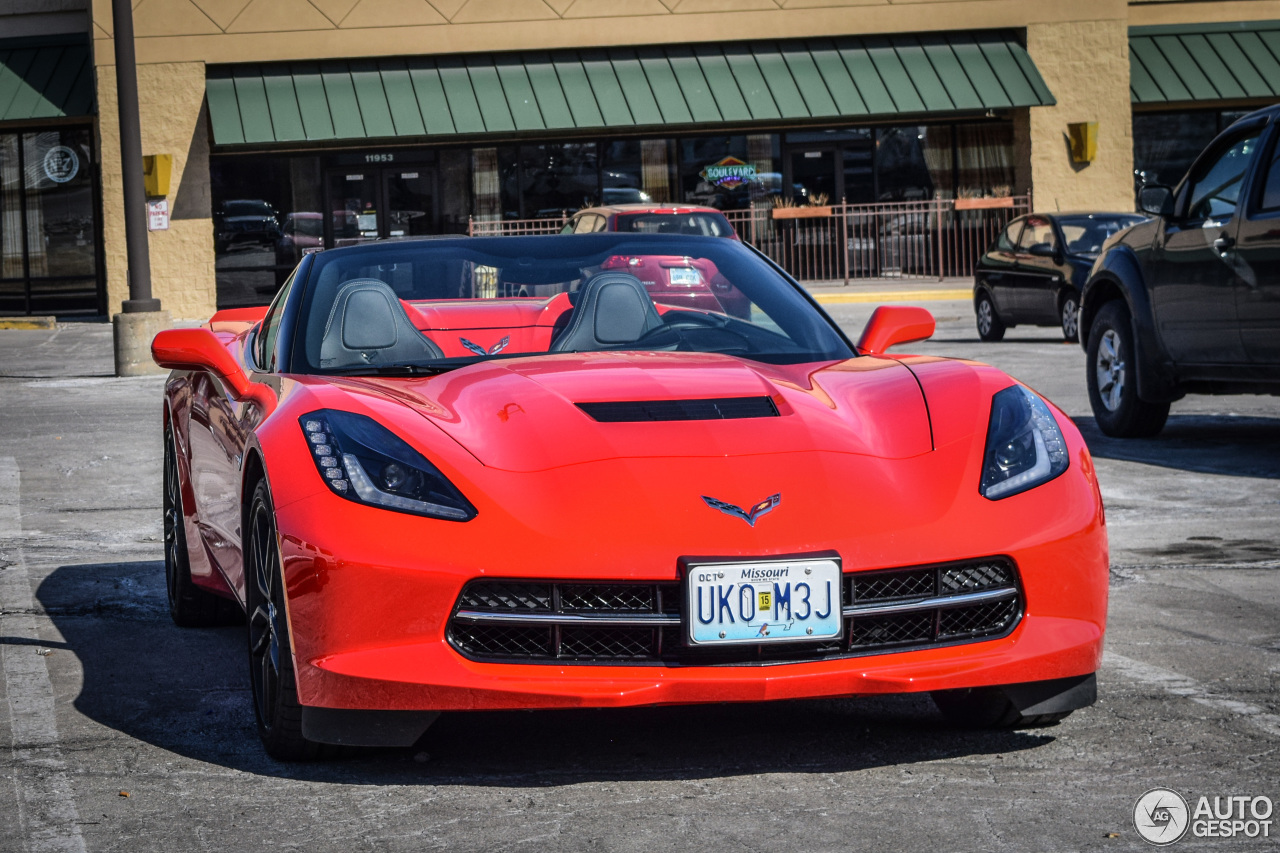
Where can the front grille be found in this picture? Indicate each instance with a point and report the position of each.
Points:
(603, 622)
(713, 409)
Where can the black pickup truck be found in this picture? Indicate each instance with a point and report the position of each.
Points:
(1188, 302)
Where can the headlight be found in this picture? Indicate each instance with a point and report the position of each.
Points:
(365, 462)
(1024, 445)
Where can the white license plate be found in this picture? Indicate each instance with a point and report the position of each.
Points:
(763, 602)
(686, 276)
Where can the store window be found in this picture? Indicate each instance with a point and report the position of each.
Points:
(48, 223)
(913, 163)
(730, 172)
(267, 213)
(984, 160)
(1166, 144)
(558, 178)
(635, 171)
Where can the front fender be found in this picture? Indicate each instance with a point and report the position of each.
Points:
(1118, 274)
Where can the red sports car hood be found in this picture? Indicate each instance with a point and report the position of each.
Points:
(524, 414)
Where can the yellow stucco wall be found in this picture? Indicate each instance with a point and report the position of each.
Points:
(264, 30)
(1086, 66)
(170, 99)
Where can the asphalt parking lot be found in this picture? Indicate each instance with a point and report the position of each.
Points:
(126, 733)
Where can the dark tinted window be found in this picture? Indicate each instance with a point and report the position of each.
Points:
(1009, 236)
(1271, 187)
(1215, 190)
(1084, 235)
(693, 224)
(1039, 232)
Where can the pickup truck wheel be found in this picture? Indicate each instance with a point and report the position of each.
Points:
(1069, 312)
(1113, 385)
(990, 326)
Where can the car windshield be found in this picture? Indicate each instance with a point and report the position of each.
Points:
(430, 305)
(697, 224)
(1085, 235)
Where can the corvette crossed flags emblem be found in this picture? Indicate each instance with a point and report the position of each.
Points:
(748, 515)
(479, 350)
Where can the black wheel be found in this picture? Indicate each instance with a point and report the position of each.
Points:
(1113, 387)
(1069, 312)
(275, 692)
(990, 326)
(189, 605)
(988, 708)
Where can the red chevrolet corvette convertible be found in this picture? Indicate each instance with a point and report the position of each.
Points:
(427, 496)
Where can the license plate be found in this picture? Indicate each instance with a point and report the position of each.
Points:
(686, 276)
(763, 602)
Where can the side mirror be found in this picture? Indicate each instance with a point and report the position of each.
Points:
(1042, 250)
(895, 324)
(1156, 200)
(200, 349)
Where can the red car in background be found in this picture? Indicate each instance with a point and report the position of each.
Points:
(670, 280)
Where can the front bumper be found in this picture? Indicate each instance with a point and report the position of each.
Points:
(369, 632)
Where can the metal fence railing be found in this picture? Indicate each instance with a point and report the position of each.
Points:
(847, 242)
(493, 227)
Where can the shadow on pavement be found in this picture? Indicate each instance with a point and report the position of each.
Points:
(1209, 444)
(186, 691)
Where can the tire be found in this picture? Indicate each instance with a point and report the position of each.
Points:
(271, 676)
(990, 326)
(988, 708)
(189, 605)
(1069, 314)
(1113, 387)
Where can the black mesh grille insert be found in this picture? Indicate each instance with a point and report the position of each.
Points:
(613, 643)
(925, 598)
(500, 596)
(613, 598)
(884, 586)
(893, 629)
(502, 640)
(714, 409)
(971, 578)
(978, 620)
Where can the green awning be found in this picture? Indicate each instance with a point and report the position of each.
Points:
(1204, 62)
(658, 87)
(45, 78)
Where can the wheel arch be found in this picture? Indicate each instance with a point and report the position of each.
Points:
(1155, 378)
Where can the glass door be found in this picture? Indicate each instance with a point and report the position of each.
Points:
(814, 170)
(411, 203)
(48, 223)
(354, 204)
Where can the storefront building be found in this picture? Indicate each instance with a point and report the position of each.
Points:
(296, 125)
(49, 193)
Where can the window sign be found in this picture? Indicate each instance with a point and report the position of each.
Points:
(729, 173)
(61, 164)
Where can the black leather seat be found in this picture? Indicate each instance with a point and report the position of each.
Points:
(613, 309)
(368, 325)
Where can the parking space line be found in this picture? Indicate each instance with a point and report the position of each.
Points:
(1188, 688)
(47, 816)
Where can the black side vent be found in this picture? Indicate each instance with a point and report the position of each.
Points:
(715, 409)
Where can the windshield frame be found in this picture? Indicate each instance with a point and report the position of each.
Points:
(292, 357)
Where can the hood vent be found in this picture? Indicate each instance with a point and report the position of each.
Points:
(713, 409)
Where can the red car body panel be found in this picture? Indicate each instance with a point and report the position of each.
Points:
(898, 442)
